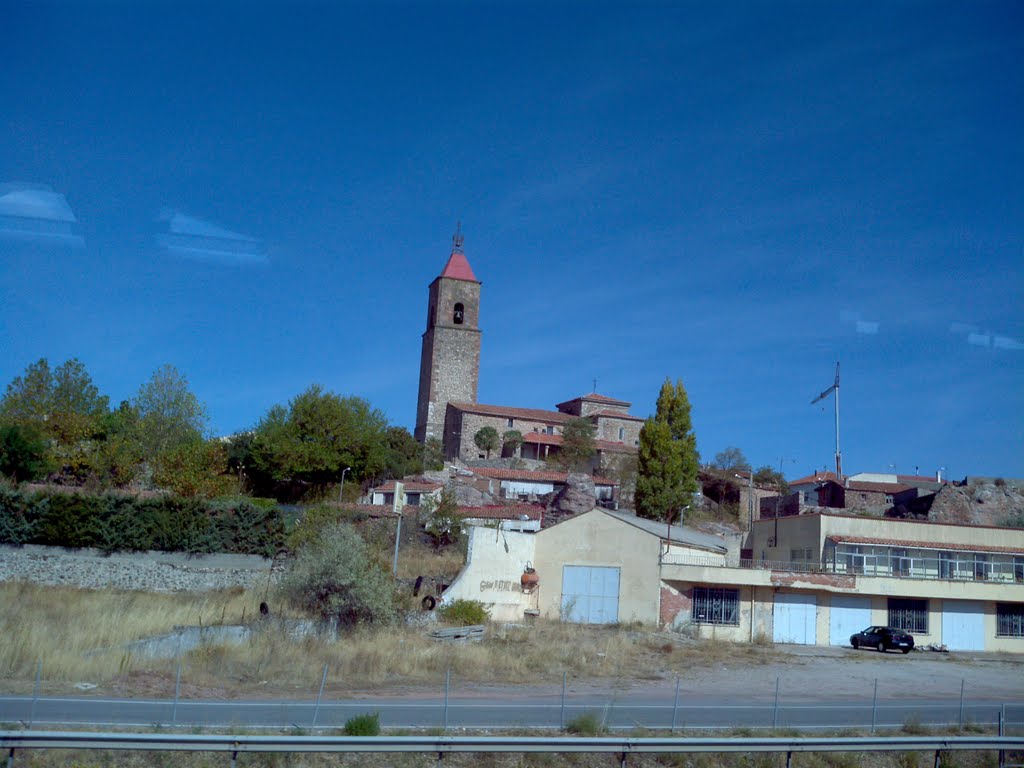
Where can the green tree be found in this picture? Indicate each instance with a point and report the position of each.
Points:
(63, 404)
(118, 456)
(510, 442)
(443, 520)
(403, 455)
(169, 414)
(335, 577)
(23, 453)
(486, 439)
(578, 446)
(667, 462)
(768, 475)
(433, 455)
(195, 469)
(302, 449)
(730, 459)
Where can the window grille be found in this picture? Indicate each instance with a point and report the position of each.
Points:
(716, 606)
(1009, 619)
(909, 615)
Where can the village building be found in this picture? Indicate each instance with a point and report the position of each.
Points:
(448, 409)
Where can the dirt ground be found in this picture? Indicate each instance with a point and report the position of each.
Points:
(826, 672)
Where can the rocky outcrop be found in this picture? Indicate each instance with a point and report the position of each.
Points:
(467, 495)
(578, 496)
(978, 503)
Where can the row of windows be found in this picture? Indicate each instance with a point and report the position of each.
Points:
(722, 606)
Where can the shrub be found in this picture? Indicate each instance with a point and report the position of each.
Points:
(363, 725)
(465, 613)
(116, 522)
(335, 577)
(587, 724)
(443, 521)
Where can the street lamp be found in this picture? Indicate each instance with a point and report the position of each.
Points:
(341, 493)
(668, 528)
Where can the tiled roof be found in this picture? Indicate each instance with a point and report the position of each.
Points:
(532, 414)
(616, 415)
(542, 438)
(411, 485)
(458, 268)
(593, 397)
(504, 512)
(817, 477)
(858, 485)
(535, 475)
(843, 539)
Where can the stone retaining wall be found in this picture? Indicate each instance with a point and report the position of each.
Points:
(148, 571)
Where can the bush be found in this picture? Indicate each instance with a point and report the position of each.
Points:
(465, 613)
(587, 724)
(117, 522)
(363, 725)
(443, 521)
(335, 577)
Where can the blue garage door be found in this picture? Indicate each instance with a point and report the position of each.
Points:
(795, 618)
(963, 625)
(590, 594)
(848, 615)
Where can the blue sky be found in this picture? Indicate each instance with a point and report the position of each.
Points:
(734, 194)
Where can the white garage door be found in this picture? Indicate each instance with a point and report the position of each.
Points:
(847, 616)
(963, 625)
(590, 594)
(794, 619)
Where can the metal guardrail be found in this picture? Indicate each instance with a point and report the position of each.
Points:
(234, 743)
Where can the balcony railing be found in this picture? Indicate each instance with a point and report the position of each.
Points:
(1001, 573)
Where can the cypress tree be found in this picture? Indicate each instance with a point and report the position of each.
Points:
(668, 461)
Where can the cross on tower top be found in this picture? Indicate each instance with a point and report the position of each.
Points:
(457, 238)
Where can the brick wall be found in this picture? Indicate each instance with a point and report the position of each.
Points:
(675, 607)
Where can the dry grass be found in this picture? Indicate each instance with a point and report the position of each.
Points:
(65, 627)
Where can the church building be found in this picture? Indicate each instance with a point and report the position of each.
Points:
(448, 409)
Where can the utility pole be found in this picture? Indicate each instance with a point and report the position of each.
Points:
(822, 396)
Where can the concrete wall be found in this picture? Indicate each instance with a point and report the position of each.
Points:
(811, 531)
(494, 564)
(758, 588)
(596, 538)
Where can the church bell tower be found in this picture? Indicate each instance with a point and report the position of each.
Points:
(450, 359)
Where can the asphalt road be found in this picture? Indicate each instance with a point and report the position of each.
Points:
(416, 711)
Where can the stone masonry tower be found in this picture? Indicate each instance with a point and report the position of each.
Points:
(450, 361)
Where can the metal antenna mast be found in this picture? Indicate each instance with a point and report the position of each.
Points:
(822, 396)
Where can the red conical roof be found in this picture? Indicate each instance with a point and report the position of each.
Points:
(458, 268)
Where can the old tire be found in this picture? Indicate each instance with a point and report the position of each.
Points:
(881, 647)
(905, 650)
(855, 643)
(429, 602)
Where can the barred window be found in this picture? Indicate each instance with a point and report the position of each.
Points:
(909, 615)
(716, 606)
(1009, 619)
